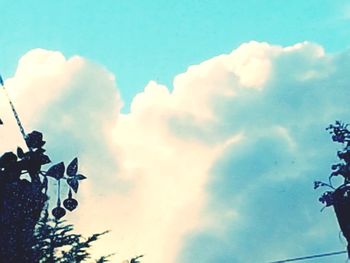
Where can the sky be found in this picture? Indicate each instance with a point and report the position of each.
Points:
(155, 40)
(200, 125)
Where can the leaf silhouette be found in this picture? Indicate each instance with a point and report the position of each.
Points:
(56, 171)
(80, 177)
(45, 159)
(73, 183)
(72, 168)
(20, 152)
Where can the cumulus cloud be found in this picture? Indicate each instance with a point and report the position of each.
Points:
(220, 168)
(266, 178)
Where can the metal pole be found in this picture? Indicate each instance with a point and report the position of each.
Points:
(20, 126)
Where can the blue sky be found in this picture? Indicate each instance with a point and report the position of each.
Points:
(199, 125)
(143, 40)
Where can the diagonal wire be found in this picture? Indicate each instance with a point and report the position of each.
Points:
(311, 257)
(20, 126)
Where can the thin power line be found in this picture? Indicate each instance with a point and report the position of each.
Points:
(310, 257)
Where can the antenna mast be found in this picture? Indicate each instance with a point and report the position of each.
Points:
(20, 126)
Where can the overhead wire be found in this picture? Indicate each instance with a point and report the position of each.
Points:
(310, 257)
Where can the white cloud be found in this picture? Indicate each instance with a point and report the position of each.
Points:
(205, 165)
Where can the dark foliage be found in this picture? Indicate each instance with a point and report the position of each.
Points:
(135, 259)
(339, 197)
(23, 195)
(27, 232)
(55, 241)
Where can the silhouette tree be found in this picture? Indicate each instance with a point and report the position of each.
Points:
(23, 193)
(54, 241)
(27, 232)
(22, 199)
(339, 197)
